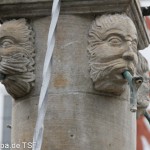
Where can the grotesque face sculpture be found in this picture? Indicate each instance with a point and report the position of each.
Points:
(16, 57)
(143, 91)
(112, 50)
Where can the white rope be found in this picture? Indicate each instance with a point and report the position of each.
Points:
(43, 100)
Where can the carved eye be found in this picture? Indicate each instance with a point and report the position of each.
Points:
(115, 41)
(6, 43)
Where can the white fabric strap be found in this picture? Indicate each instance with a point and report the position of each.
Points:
(43, 100)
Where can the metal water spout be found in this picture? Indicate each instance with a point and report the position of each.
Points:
(134, 83)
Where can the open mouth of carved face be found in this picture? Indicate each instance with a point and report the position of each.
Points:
(2, 77)
(119, 74)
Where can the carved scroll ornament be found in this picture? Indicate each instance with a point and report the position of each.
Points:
(112, 49)
(17, 57)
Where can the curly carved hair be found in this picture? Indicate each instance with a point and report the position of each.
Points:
(22, 31)
(101, 24)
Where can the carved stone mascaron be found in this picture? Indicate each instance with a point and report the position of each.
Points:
(17, 57)
(112, 50)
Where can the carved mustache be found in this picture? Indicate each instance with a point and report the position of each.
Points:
(15, 64)
(101, 70)
(18, 71)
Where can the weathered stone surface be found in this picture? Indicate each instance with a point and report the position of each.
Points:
(77, 121)
(112, 50)
(78, 117)
(68, 6)
(40, 8)
(17, 57)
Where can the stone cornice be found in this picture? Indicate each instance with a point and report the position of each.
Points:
(30, 8)
(39, 8)
(134, 11)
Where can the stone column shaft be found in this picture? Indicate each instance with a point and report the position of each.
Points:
(77, 118)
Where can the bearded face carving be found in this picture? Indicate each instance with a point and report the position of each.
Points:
(143, 91)
(112, 50)
(17, 57)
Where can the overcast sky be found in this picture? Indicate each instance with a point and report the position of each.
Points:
(146, 52)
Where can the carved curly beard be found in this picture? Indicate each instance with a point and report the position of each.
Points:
(107, 77)
(142, 95)
(143, 98)
(18, 69)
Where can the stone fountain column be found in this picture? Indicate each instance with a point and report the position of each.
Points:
(79, 116)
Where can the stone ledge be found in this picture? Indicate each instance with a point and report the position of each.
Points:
(30, 8)
(40, 8)
(134, 11)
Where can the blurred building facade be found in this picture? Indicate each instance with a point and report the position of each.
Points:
(5, 118)
(143, 134)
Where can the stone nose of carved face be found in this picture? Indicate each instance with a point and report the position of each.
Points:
(128, 56)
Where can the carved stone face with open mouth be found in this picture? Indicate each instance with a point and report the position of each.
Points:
(143, 98)
(112, 50)
(17, 57)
